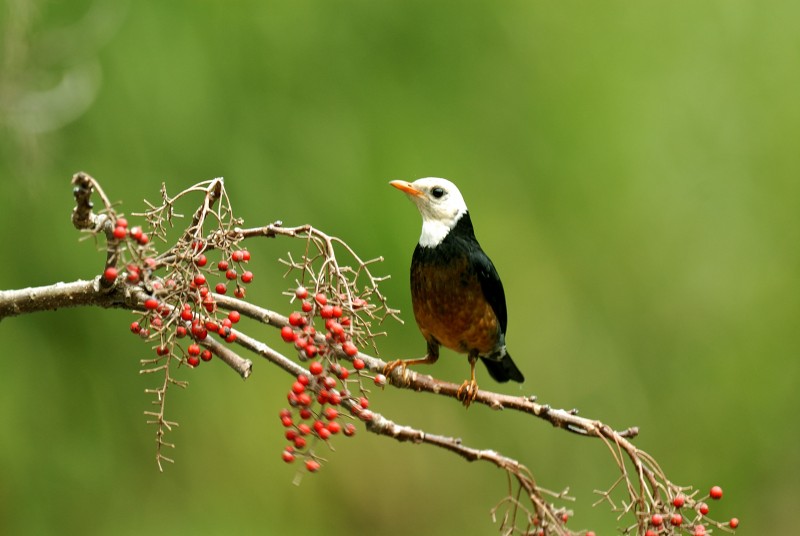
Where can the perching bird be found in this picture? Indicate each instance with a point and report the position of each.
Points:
(457, 296)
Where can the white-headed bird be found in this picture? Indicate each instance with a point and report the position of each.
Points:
(457, 296)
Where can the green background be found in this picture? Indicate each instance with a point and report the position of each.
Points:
(631, 168)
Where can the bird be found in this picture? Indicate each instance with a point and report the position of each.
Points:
(456, 293)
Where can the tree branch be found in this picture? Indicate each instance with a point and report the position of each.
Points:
(176, 302)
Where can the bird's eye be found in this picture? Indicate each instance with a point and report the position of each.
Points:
(437, 192)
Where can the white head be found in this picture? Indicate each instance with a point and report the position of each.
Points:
(440, 204)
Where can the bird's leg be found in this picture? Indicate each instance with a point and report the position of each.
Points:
(469, 389)
(431, 357)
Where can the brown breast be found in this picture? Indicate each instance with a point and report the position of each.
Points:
(449, 305)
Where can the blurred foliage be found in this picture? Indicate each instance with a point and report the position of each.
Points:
(632, 169)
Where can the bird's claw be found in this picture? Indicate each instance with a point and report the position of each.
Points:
(389, 368)
(467, 392)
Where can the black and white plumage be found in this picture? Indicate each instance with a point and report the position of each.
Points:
(457, 295)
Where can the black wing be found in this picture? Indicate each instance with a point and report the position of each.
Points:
(490, 284)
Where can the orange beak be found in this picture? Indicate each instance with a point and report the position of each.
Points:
(407, 187)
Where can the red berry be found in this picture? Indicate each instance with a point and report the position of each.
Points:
(676, 520)
(247, 277)
(321, 299)
(206, 355)
(296, 319)
(699, 530)
(300, 442)
(286, 421)
(650, 532)
(122, 222)
(298, 388)
(312, 466)
(380, 380)
(135, 327)
(151, 304)
(199, 332)
(334, 398)
(702, 508)
(303, 428)
(350, 349)
(324, 433)
(231, 274)
(186, 314)
(678, 501)
(656, 520)
(326, 311)
(162, 350)
(337, 311)
(143, 239)
(239, 292)
(199, 280)
(306, 306)
(334, 327)
(315, 368)
(287, 456)
(234, 316)
(120, 232)
(193, 349)
(334, 427)
(133, 277)
(716, 493)
(311, 350)
(564, 517)
(110, 274)
(288, 334)
(245, 255)
(136, 233)
(301, 293)
(349, 429)
(192, 360)
(330, 413)
(201, 260)
(363, 402)
(733, 523)
(231, 337)
(222, 266)
(237, 256)
(221, 288)
(303, 378)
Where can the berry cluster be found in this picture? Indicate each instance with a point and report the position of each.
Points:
(688, 514)
(183, 302)
(321, 399)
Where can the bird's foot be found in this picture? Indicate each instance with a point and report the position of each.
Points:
(467, 392)
(389, 368)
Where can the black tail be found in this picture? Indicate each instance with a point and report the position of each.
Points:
(503, 370)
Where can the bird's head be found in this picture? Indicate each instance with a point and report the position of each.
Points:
(440, 204)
